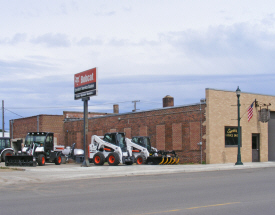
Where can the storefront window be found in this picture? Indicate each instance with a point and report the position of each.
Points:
(231, 136)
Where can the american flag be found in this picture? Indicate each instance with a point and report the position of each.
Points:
(250, 111)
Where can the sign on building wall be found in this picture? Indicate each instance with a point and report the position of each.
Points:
(231, 135)
(85, 84)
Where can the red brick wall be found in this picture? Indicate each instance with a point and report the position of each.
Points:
(47, 123)
(177, 136)
(20, 127)
(176, 128)
(160, 137)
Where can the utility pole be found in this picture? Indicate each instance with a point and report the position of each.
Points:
(3, 122)
(135, 105)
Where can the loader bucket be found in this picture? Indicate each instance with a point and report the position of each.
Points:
(20, 160)
(155, 160)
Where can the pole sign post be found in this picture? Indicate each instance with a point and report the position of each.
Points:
(85, 84)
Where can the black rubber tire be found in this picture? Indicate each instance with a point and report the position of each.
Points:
(99, 159)
(58, 160)
(113, 159)
(8, 152)
(41, 160)
(141, 159)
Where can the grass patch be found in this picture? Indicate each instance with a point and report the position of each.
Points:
(17, 169)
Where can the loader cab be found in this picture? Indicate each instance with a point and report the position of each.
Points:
(4, 143)
(40, 139)
(143, 141)
(117, 139)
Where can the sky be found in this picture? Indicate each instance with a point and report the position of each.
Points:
(143, 50)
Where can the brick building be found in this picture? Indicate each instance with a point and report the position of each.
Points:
(47, 123)
(170, 128)
(212, 123)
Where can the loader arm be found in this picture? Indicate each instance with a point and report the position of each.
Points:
(136, 149)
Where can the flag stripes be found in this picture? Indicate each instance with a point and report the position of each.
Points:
(250, 112)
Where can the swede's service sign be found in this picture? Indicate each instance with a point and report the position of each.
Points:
(85, 84)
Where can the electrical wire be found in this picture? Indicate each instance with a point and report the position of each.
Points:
(58, 107)
(13, 113)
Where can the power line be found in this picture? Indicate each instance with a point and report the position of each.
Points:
(58, 107)
(13, 112)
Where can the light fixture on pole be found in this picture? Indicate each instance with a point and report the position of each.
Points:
(239, 160)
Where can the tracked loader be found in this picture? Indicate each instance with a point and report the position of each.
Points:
(144, 153)
(37, 149)
(110, 148)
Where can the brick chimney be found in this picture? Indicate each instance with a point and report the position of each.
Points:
(116, 108)
(168, 101)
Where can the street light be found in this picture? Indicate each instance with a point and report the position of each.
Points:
(239, 160)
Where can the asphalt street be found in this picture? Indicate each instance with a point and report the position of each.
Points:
(241, 191)
(51, 172)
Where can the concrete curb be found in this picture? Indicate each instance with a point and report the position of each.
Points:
(51, 173)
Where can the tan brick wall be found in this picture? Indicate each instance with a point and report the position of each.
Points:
(221, 111)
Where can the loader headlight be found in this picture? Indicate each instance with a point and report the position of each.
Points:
(34, 159)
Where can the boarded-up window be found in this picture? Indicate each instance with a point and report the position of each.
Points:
(127, 132)
(79, 143)
(177, 136)
(143, 131)
(99, 132)
(160, 137)
(194, 135)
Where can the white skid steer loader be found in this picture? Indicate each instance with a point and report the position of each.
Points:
(111, 148)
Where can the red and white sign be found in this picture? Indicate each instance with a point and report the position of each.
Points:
(85, 84)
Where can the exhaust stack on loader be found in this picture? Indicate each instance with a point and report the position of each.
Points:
(144, 153)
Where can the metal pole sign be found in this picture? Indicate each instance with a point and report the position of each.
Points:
(85, 86)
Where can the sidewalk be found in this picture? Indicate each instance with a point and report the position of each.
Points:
(51, 172)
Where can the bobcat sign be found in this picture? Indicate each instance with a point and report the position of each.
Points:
(85, 84)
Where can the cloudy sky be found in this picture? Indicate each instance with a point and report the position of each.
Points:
(144, 50)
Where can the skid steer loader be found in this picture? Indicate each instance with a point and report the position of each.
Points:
(111, 148)
(144, 153)
(38, 148)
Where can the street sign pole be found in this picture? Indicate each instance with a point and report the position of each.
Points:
(86, 162)
(85, 86)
